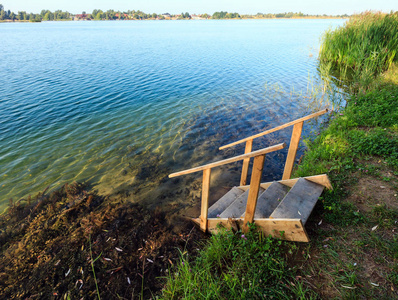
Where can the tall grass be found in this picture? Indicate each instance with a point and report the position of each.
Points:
(366, 46)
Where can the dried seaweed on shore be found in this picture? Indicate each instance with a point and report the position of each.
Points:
(46, 244)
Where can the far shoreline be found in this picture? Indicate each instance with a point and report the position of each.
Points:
(70, 20)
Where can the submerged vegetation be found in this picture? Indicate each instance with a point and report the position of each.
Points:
(353, 253)
(73, 243)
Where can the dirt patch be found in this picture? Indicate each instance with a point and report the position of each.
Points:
(359, 260)
(370, 192)
(49, 247)
(348, 265)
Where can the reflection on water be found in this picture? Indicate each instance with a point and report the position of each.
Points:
(121, 105)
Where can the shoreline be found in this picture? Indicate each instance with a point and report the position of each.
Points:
(66, 242)
(175, 19)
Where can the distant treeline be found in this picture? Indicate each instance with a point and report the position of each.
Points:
(97, 14)
(45, 15)
(292, 15)
(225, 15)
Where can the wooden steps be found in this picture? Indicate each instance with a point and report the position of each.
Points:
(217, 208)
(238, 207)
(299, 202)
(269, 200)
(282, 206)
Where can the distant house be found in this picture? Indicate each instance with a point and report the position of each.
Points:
(167, 16)
(197, 17)
(126, 16)
(81, 17)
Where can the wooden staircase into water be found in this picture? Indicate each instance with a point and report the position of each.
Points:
(283, 207)
(279, 208)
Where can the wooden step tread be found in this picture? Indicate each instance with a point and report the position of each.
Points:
(225, 201)
(270, 199)
(299, 202)
(238, 207)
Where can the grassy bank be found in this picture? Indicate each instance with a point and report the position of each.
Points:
(236, 266)
(354, 247)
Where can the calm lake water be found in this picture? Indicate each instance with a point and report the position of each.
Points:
(120, 105)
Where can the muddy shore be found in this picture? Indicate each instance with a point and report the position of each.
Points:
(64, 243)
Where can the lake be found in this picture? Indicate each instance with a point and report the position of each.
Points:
(121, 104)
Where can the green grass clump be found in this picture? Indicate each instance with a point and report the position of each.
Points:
(236, 266)
(375, 108)
(366, 46)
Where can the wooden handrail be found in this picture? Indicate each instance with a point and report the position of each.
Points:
(251, 204)
(275, 129)
(256, 170)
(230, 160)
(294, 142)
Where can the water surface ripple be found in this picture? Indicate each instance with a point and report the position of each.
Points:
(121, 104)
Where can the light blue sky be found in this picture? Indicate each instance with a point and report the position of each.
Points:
(209, 6)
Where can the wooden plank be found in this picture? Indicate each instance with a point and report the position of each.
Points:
(299, 202)
(235, 209)
(255, 180)
(230, 160)
(275, 129)
(291, 155)
(290, 230)
(245, 167)
(263, 185)
(205, 199)
(322, 179)
(212, 224)
(269, 200)
(286, 229)
(238, 207)
(225, 201)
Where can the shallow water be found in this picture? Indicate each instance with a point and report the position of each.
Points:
(122, 104)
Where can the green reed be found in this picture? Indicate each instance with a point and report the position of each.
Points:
(366, 46)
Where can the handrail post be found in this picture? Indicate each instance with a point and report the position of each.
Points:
(205, 199)
(245, 167)
(291, 155)
(258, 165)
